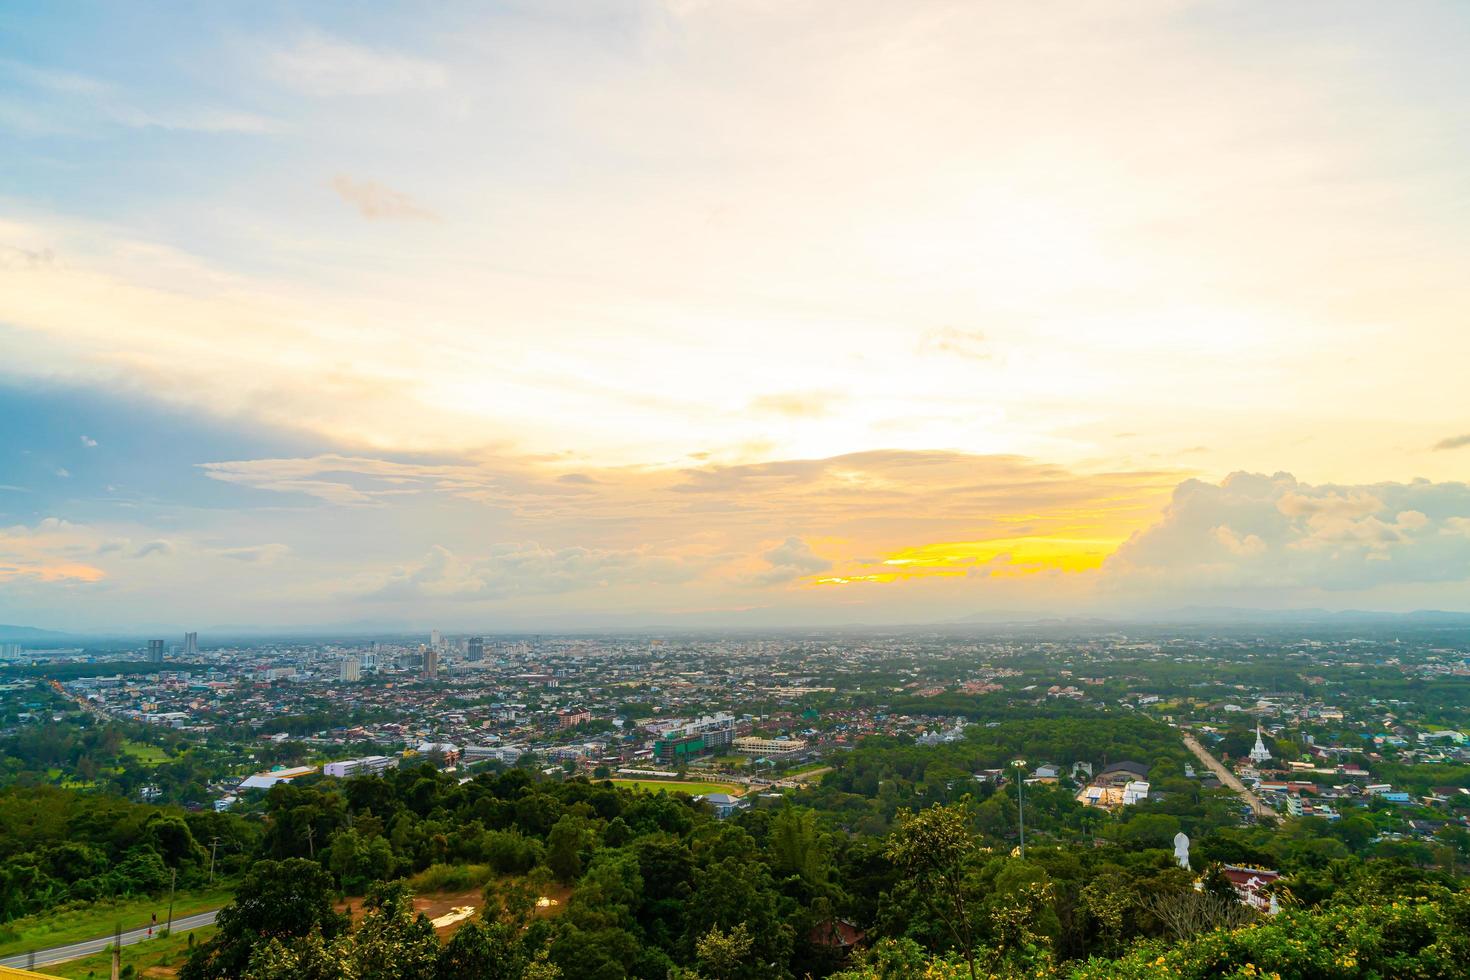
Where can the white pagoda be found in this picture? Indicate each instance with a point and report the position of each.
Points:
(1260, 753)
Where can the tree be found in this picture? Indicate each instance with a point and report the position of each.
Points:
(1187, 913)
(723, 954)
(394, 942)
(564, 848)
(482, 952)
(359, 861)
(308, 958)
(933, 848)
(283, 900)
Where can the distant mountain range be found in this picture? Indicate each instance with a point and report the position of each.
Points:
(1205, 616)
(1209, 614)
(1228, 615)
(14, 634)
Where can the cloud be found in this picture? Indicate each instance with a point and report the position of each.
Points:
(795, 404)
(153, 548)
(578, 479)
(1453, 442)
(972, 344)
(1263, 533)
(63, 472)
(207, 120)
(260, 554)
(327, 66)
(790, 560)
(376, 202)
(528, 569)
(92, 100)
(47, 553)
(89, 442)
(26, 258)
(54, 80)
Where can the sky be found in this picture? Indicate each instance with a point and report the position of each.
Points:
(531, 315)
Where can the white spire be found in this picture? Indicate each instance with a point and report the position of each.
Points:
(1260, 754)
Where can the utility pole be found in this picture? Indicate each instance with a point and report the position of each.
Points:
(213, 846)
(117, 952)
(1020, 765)
(173, 880)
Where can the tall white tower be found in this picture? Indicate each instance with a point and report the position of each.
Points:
(1259, 753)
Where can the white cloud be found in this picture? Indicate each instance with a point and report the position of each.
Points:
(321, 65)
(971, 344)
(89, 442)
(790, 560)
(528, 569)
(1254, 532)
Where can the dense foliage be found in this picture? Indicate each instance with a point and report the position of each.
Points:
(58, 847)
(900, 843)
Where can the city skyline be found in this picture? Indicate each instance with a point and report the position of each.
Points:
(682, 313)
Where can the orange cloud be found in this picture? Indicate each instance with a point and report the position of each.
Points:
(57, 572)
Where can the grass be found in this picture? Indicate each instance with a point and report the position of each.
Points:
(165, 954)
(809, 767)
(47, 929)
(450, 878)
(680, 786)
(150, 755)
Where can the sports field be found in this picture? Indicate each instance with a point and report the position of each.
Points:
(680, 786)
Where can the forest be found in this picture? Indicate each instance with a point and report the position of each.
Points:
(900, 846)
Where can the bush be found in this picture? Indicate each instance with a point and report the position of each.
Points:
(450, 878)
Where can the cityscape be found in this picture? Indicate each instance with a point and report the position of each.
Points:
(734, 490)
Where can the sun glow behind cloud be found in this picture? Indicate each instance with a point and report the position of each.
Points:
(738, 299)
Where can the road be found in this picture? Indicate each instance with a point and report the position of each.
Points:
(1227, 777)
(60, 954)
(802, 778)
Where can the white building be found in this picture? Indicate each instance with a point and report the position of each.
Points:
(724, 803)
(349, 669)
(1134, 791)
(371, 765)
(769, 748)
(1259, 753)
(265, 780)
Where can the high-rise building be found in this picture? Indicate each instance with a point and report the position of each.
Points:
(191, 646)
(431, 663)
(349, 670)
(436, 639)
(155, 651)
(476, 651)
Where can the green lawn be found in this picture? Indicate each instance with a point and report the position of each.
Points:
(48, 929)
(168, 953)
(680, 786)
(147, 754)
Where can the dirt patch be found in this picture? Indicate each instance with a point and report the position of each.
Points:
(435, 905)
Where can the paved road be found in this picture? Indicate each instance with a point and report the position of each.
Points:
(59, 954)
(1227, 777)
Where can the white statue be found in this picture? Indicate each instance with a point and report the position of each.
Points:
(1181, 850)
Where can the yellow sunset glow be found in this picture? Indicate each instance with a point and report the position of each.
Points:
(481, 313)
